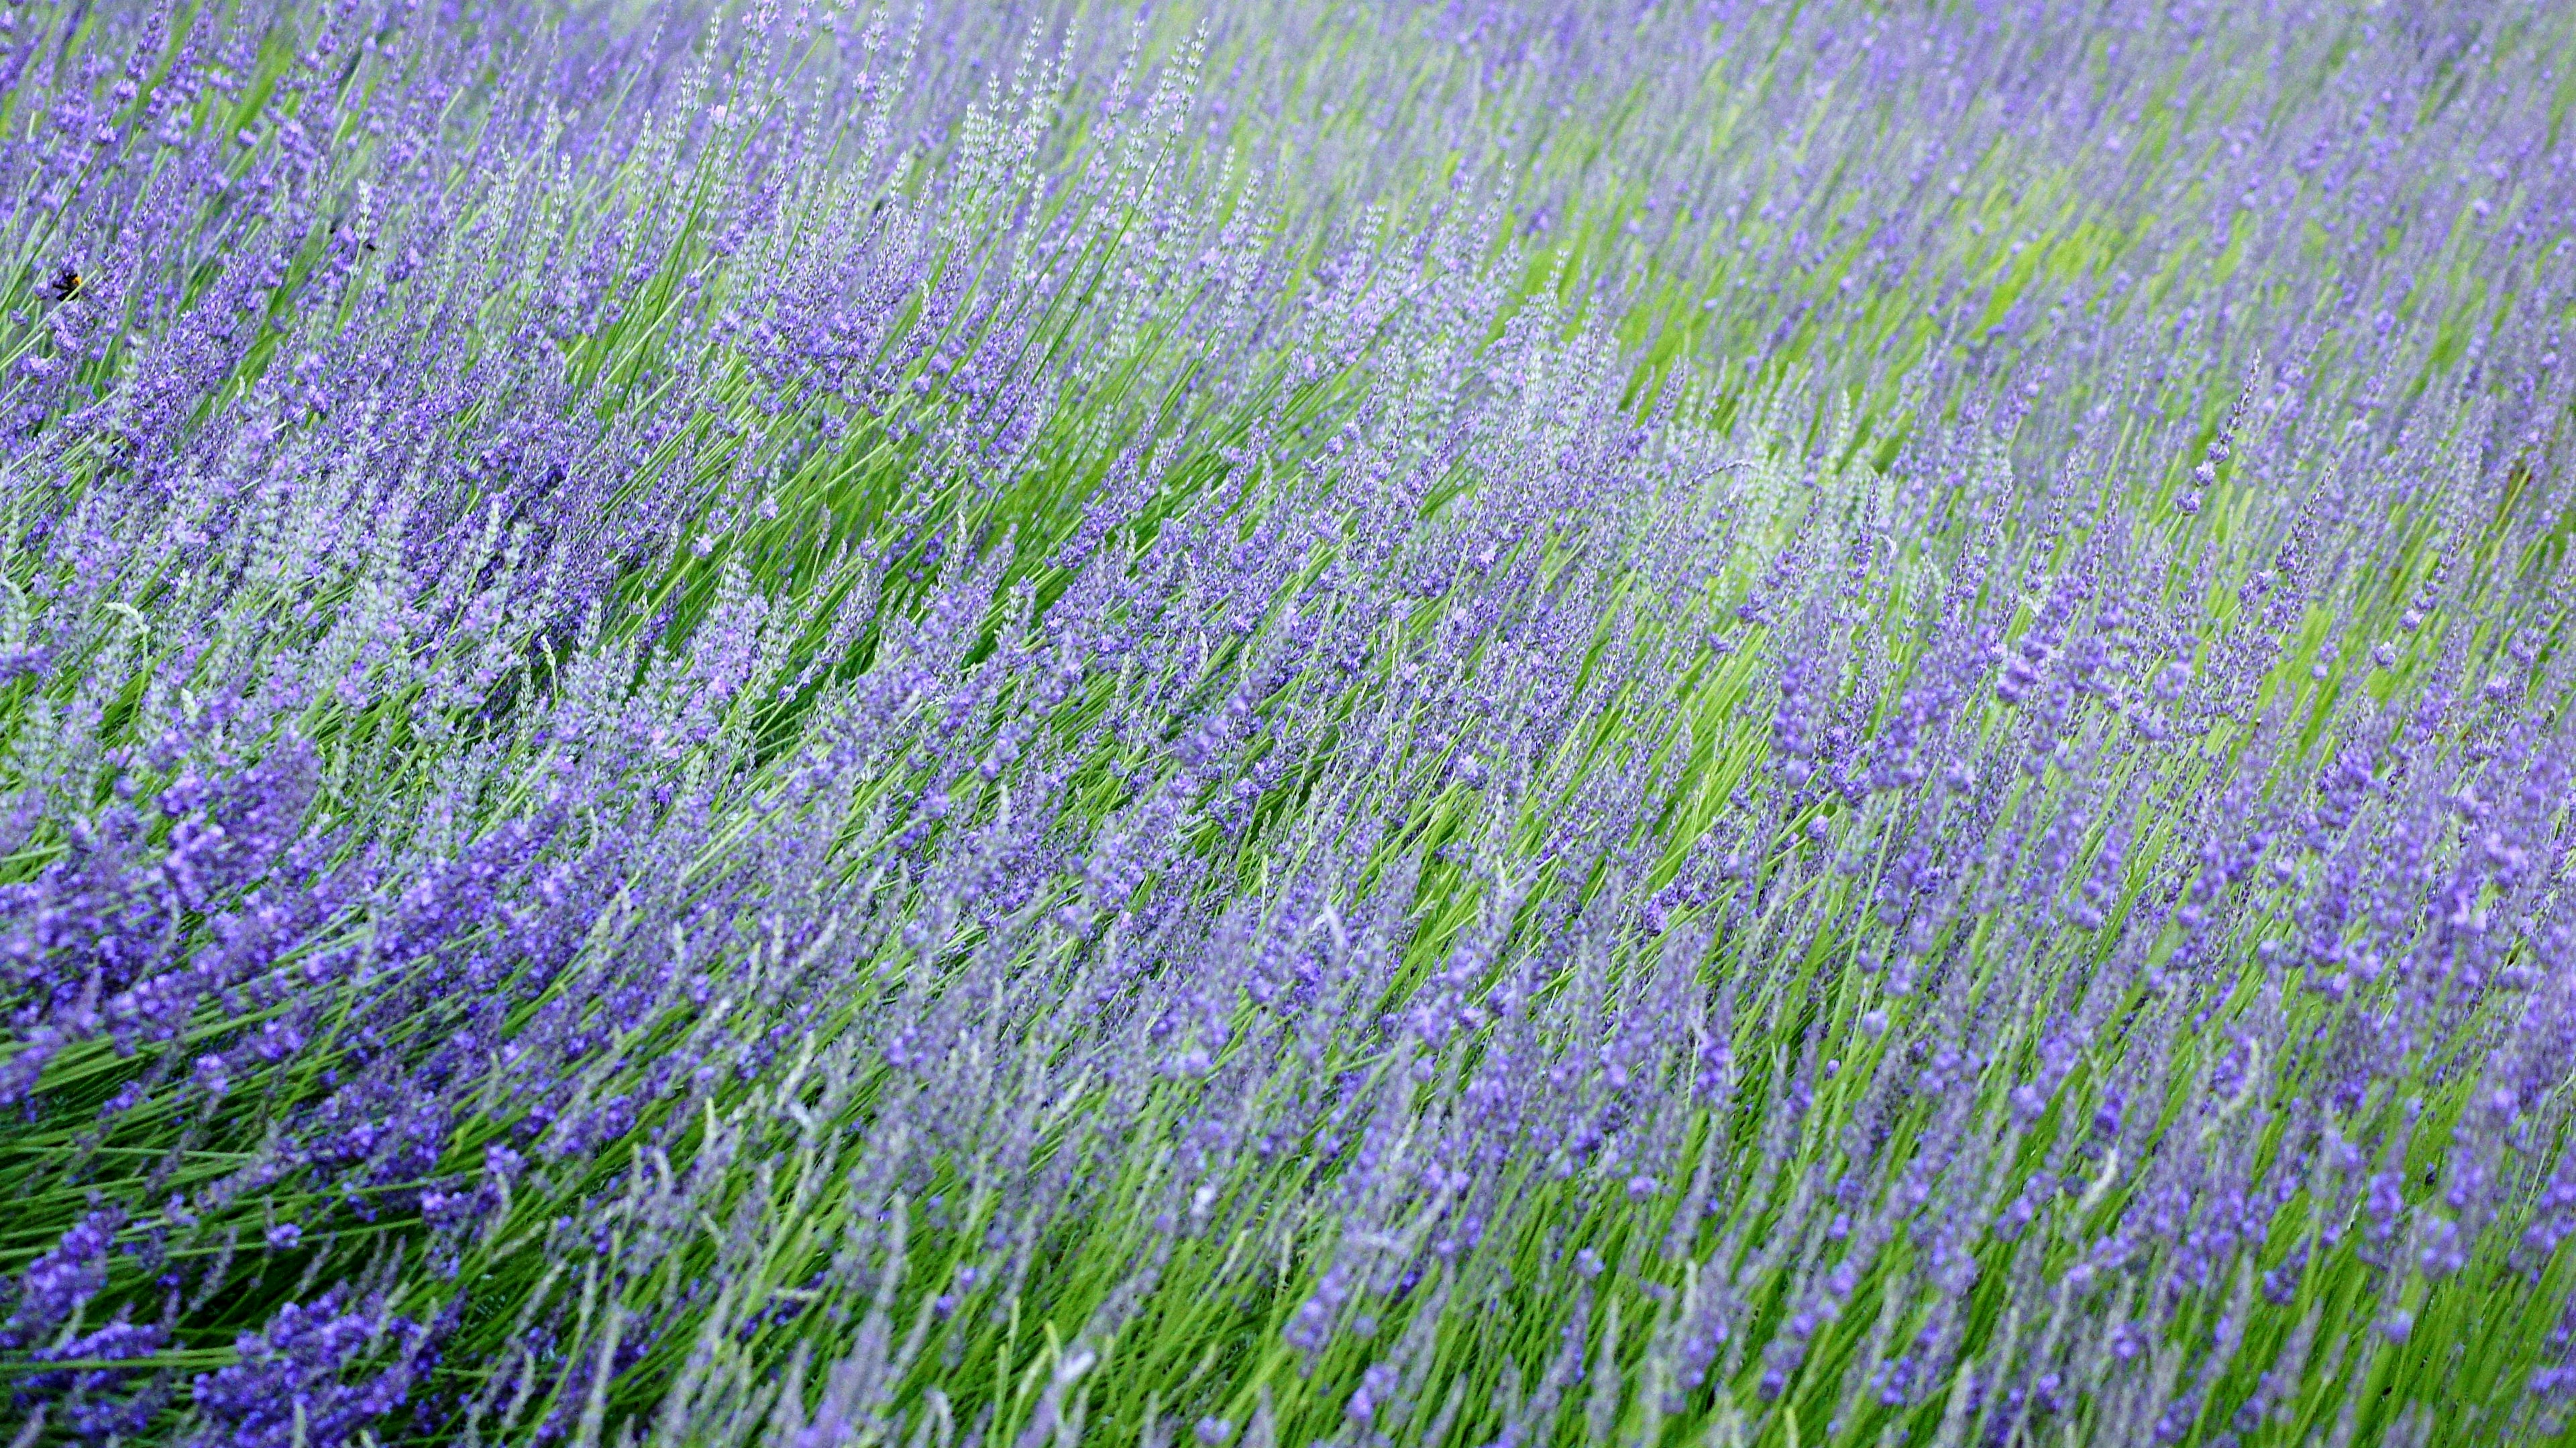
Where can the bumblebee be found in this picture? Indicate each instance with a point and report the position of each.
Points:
(65, 285)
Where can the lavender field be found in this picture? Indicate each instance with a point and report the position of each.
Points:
(762, 722)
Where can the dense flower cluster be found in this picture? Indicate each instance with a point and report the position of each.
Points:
(1627, 724)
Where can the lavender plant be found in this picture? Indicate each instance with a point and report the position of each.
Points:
(1286, 724)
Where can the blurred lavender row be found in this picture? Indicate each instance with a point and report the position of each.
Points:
(1287, 723)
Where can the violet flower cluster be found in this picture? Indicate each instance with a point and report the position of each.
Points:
(1281, 724)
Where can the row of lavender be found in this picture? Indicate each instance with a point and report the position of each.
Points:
(1479, 727)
